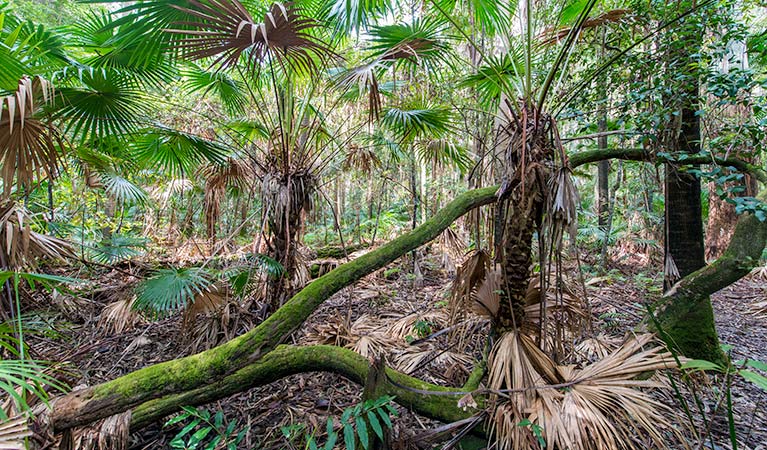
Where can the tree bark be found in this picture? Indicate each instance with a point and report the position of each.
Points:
(685, 310)
(189, 373)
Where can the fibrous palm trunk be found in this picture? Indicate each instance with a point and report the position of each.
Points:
(528, 155)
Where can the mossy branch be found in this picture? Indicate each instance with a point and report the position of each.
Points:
(187, 374)
(286, 360)
(638, 154)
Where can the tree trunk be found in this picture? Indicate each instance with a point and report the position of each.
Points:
(685, 314)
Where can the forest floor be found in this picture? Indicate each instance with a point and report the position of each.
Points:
(383, 312)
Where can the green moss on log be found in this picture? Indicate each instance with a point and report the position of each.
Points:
(288, 360)
(186, 374)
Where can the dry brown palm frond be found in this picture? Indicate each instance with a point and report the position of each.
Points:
(612, 16)
(362, 336)
(114, 432)
(602, 407)
(27, 143)
(119, 316)
(218, 177)
(758, 309)
(405, 326)
(19, 245)
(597, 347)
(413, 358)
(365, 79)
(363, 159)
(13, 433)
(469, 276)
(561, 208)
(225, 31)
(453, 249)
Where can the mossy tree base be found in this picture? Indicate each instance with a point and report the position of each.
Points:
(685, 313)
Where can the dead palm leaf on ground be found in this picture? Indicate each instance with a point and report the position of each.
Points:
(364, 335)
(14, 433)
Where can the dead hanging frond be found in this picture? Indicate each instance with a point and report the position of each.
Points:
(225, 31)
(28, 143)
(207, 321)
(20, 246)
(364, 79)
(552, 36)
(469, 276)
(561, 209)
(218, 177)
(453, 249)
(364, 159)
(600, 406)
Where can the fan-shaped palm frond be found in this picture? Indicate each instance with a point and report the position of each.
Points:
(172, 289)
(28, 144)
(119, 248)
(363, 159)
(421, 42)
(176, 152)
(422, 121)
(444, 152)
(354, 15)
(248, 131)
(364, 78)
(494, 76)
(120, 49)
(108, 104)
(225, 31)
(491, 16)
(228, 90)
(122, 189)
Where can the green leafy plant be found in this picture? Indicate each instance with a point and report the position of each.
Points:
(206, 431)
(360, 424)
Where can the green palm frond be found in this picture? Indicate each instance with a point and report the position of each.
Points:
(20, 378)
(444, 152)
(107, 104)
(495, 74)
(424, 122)
(248, 131)
(230, 91)
(119, 248)
(420, 43)
(176, 152)
(490, 16)
(121, 50)
(169, 290)
(122, 189)
(241, 276)
(355, 15)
